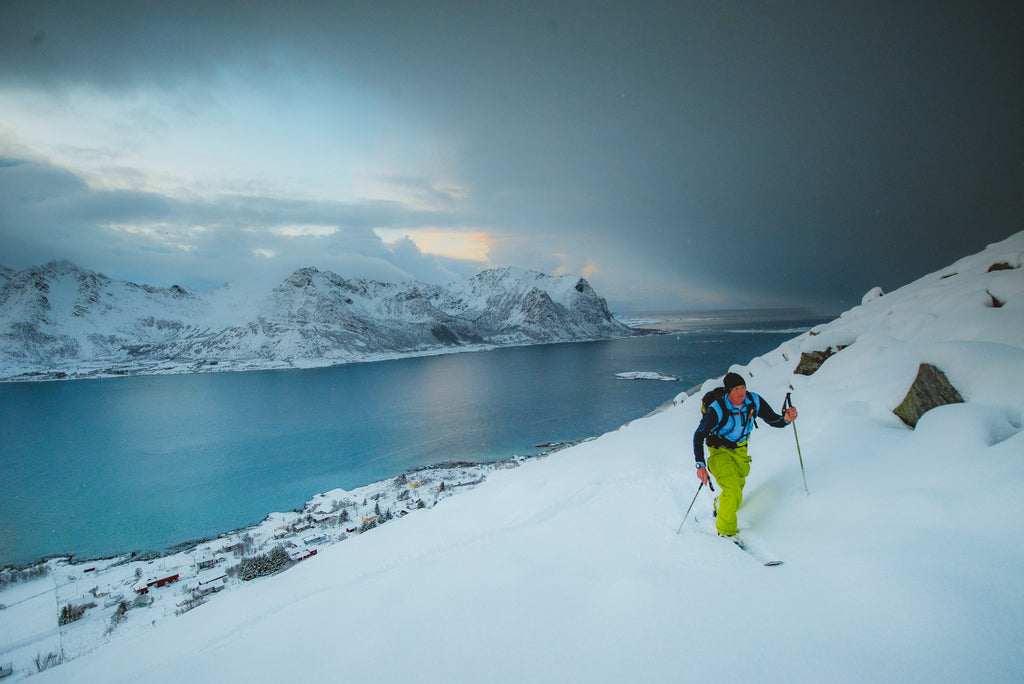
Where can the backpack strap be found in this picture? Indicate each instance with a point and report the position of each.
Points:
(718, 406)
(752, 404)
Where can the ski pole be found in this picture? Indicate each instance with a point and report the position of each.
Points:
(687, 514)
(788, 403)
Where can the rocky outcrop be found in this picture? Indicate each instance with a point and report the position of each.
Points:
(811, 361)
(931, 388)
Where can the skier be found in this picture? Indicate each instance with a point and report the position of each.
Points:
(726, 425)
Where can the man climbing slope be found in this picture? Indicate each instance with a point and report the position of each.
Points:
(726, 425)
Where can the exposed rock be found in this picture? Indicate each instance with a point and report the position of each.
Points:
(931, 388)
(444, 335)
(811, 361)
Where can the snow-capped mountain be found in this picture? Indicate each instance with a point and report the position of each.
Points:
(60, 320)
(58, 315)
(519, 306)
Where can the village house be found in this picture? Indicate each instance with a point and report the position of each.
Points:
(208, 585)
(143, 586)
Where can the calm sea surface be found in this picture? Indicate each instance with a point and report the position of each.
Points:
(100, 467)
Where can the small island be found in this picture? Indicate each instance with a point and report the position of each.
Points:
(646, 375)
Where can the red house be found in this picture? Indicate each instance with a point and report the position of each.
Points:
(143, 588)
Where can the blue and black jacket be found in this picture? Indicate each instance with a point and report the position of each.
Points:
(725, 425)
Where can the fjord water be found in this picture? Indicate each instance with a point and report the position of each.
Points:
(100, 467)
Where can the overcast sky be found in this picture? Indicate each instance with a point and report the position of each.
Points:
(679, 155)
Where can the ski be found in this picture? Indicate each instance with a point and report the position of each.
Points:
(745, 547)
(765, 560)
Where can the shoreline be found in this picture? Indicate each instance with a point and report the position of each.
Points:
(149, 555)
(641, 324)
(103, 370)
(67, 607)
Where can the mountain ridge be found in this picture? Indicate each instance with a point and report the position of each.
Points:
(60, 320)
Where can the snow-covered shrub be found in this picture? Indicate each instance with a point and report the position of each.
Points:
(118, 616)
(25, 575)
(263, 564)
(46, 662)
(70, 613)
(248, 544)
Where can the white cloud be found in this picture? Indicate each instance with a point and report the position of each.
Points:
(231, 132)
(304, 230)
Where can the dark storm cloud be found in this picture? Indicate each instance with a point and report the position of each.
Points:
(45, 211)
(798, 152)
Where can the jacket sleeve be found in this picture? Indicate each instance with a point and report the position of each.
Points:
(707, 424)
(769, 416)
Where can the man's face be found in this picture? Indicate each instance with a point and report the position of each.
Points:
(737, 395)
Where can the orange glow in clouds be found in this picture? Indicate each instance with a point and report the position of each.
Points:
(468, 246)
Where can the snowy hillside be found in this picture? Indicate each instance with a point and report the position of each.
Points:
(902, 564)
(59, 321)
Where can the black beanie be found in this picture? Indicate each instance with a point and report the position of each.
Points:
(733, 380)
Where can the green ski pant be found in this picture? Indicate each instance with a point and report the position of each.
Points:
(730, 468)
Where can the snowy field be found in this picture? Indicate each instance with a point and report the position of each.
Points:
(901, 564)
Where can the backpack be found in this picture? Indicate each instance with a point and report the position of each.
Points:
(711, 397)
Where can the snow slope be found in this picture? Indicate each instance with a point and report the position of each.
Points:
(903, 564)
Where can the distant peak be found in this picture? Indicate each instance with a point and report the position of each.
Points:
(63, 266)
